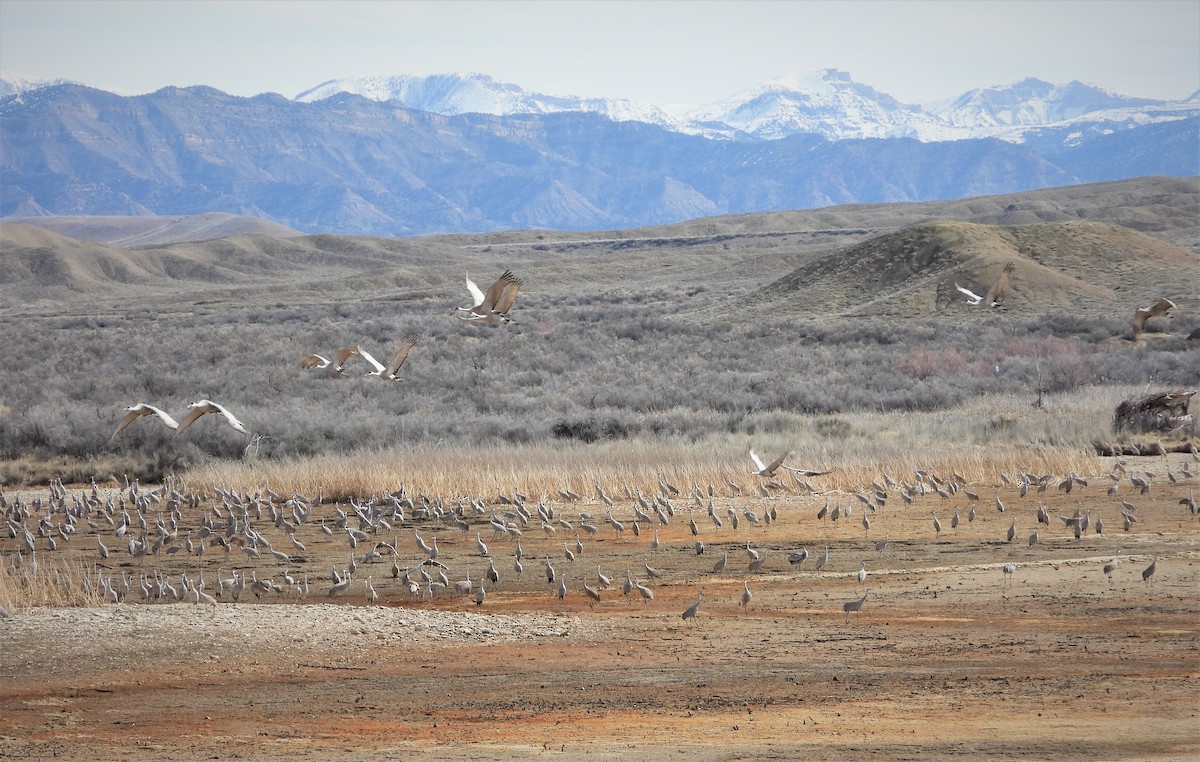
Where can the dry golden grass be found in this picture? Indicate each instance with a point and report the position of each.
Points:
(978, 440)
(56, 582)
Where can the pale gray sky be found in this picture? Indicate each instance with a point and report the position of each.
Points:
(677, 52)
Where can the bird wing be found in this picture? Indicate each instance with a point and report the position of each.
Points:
(313, 361)
(1140, 316)
(234, 422)
(134, 413)
(378, 366)
(191, 417)
(476, 294)
(343, 356)
(171, 423)
(974, 297)
(757, 461)
(494, 293)
(778, 462)
(1162, 307)
(400, 357)
(993, 294)
(808, 472)
(508, 297)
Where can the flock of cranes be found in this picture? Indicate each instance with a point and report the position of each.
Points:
(230, 525)
(491, 309)
(274, 544)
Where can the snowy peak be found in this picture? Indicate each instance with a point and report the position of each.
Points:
(827, 102)
(453, 94)
(12, 83)
(1031, 102)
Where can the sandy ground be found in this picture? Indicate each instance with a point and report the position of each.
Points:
(949, 658)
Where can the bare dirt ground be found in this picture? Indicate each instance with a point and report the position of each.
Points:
(949, 658)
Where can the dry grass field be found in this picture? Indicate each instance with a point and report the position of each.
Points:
(950, 657)
(311, 591)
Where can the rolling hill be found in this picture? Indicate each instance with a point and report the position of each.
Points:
(1079, 248)
(147, 230)
(1082, 268)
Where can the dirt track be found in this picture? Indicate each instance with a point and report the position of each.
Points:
(949, 658)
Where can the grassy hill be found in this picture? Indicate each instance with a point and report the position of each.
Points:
(1082, 268)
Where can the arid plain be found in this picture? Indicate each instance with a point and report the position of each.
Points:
(975, 640)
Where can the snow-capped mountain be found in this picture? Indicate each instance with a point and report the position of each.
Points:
(454, 94)
(1031, 102)
(12, 83)
(828, 103)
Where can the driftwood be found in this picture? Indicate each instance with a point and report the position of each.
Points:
(1165, 413)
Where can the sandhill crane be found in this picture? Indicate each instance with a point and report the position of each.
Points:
(1188, 502)
(862, 573)
(319, 362)
(719, 566)
(1112, 565)
(493, 307)
(746, 594)
(1142, 314)
(1148, 572)
(140, 409)
(823, 560)
(203, 407)
(1008, 570)
(480, 545)
(388, 372)
(694, 609)
(341, 358)
(340, 587)
(881, 545)
(645, 592)
(855, 605)
(1012, 531)
(464, 586)
(795, 559)
(591, 592)
(937, 527)
(480, 594)
(764, 470)
(604, 581)
(992, 298)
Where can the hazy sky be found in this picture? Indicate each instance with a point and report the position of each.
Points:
(681, 52)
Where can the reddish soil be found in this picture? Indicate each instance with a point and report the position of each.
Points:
(949, 658)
